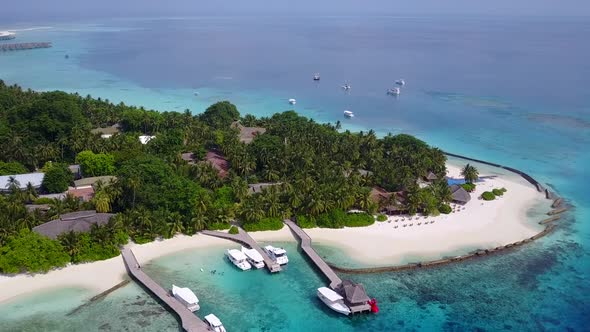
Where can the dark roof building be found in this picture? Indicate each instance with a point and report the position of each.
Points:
(459, 194)
(383, 199)
(353, 293)
(431, 176)
(79, 222)
(218, 161)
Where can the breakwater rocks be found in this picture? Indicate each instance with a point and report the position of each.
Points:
(24, 46)
(443, 261)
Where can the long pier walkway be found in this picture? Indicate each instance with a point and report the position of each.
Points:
(335, 281)
(244, 238)
(190, 322)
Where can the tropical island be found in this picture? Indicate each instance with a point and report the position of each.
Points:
(80, 177)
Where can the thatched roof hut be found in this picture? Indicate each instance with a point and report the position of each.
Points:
(79, 222)
(354, 293)
(247, 134)
(218, 161)
(460, 195)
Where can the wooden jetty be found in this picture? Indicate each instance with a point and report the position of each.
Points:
(190, 322)
(335, 282)
(244, 238)
(23, 46)
(305, 240)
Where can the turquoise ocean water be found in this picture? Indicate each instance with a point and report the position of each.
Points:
(511, 91)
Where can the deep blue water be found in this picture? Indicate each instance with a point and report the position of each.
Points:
(512, 91)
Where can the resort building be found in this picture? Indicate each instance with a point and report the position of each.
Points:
(188, 157)
(355, 296)
(388, 204)
(430, 177)
(79, 222)
(247, 134)
(218, 161)
(144, 139)
(76, 171)
(107, 132)
(256, 188)
(460, 195)
(90, 182)
(36, 179)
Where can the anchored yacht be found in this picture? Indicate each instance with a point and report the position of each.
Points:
(254, 257)
(400, 82)
(348, 114)
(394, 91)
(214, 323)
(333, 300)
(186, 297)
(292, 101)
(346, 86)
(316, 77)
(279, 255)
(239, 259)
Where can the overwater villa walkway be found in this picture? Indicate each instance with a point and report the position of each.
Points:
(244, 238)
(190, 322)
(335, 281)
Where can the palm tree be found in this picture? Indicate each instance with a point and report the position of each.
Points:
(56, 208)
(442, 191)
(71, 242)
(102, 202)
(30, 193)
(174, 221)
(470, 173)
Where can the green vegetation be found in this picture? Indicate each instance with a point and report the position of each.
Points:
(28, 251)
(488, 196)
(470, 173)
(233, 230)
(12, 168)
(96, 164)
(499, 191)
(265, 224)
(445, 209)
(315, 168)
(57, 178)
(470, 187)
(381, 217)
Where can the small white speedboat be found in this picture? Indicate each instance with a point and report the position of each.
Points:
(394, 91)
(400, 82)
(238, 259)
(186, 297)
(348, 114)
(292, 101)
(316, 77)
(333, 300)
(346, 86)
(214, 323)
(254, 257)
(278, 255)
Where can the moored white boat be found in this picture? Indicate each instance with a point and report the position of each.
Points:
(346, 86)
(254, 257)
(394, 91)
(238, 259)
(292, 101)
(400, 82)
(186, 297)
(316, 77)
(348, 114)
(333, 300)
(278, 255)
(214, 323)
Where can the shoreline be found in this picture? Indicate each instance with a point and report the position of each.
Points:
(422, 244)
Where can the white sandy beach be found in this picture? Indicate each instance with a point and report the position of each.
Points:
(99, 276)
(480, 225)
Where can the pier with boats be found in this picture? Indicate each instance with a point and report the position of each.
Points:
(342, 294)
(243, 238)
(189, 321)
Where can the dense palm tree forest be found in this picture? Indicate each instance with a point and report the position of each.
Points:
(318, 172)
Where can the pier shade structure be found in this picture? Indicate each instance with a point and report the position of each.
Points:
(244, 238)
(190, 322)
(355, 296)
